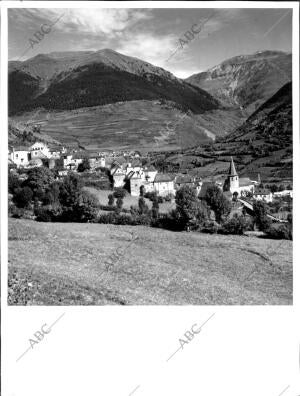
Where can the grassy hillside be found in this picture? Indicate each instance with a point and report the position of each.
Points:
(63, 264)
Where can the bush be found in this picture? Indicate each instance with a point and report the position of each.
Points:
(23, 197)
(280, 231)
(210, 227)
(43, 214)
(119, 192)
(16, 213)
(119, 219)
(236, 225)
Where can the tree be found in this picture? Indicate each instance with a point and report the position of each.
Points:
(187, 204)
(51, 196)
(39, 178)
(155, 208)
(235, 196)
(218, 202)
(260, 215)
(84, 165)
(23, 197)
(86, 208)
(143, 207)
(70, 190)
(119, 204)
(111, 200)
(13, 182)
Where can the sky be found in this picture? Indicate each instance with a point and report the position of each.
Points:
(183, 41)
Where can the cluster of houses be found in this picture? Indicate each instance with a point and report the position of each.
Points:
(128, 172)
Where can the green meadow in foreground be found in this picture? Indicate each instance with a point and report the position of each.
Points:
(72, 264)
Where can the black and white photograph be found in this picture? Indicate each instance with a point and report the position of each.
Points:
(150, 156)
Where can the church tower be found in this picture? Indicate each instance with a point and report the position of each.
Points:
(232, 181)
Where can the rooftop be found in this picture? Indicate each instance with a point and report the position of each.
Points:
(261, 191)
(163, 177)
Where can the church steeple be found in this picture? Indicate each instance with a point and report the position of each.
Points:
(232, 171)
(232, 181)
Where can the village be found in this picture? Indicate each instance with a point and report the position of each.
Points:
(126, 170)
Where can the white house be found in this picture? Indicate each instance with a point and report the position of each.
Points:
(164, 184)
(284, 193)
(263, 194)
(20, 156)
(39, 150)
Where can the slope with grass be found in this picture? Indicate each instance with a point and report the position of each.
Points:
(61, 264)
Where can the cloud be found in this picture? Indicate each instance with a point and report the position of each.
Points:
(147, 46)
(90, 20)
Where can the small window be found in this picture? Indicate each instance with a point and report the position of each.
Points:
(17, 155)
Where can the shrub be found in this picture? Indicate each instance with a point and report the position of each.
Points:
(119, 219)
(236, 225)
(280, 231)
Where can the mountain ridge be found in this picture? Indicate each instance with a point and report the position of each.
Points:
(246, 81)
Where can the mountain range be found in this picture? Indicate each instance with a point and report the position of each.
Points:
(107, 99)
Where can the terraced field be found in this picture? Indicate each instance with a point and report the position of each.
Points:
(143, 125)
(139, 124)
